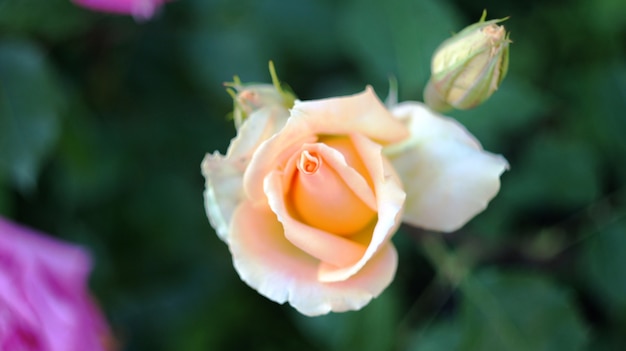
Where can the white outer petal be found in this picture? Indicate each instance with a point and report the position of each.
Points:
(447, 175)
(224, 174)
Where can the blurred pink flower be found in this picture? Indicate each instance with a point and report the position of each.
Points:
(140, 9)
(44, 301)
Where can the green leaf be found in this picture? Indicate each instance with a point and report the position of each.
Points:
(573, 179)
(518, 311)
(605, 18)
(443, 336)
(30, 106)
(598, 115)
(50, 18)
(602, 263)
(495, 122)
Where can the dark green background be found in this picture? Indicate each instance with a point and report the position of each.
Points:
(104, 122)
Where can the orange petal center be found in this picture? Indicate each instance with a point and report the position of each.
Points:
(322, 197)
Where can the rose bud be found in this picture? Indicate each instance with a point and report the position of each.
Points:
(251, 97)
(467, 68)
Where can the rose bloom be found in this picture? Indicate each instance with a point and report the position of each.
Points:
(308, 199)
(44, 302)
(140, 9)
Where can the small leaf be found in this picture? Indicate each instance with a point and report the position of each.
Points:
(30, 106)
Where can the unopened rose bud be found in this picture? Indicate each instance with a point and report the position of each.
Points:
(249, 98)
(467, 68)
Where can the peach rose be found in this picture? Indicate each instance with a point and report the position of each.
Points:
(308, 200)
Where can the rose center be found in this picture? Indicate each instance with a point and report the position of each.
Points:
(322, 195)
(309, 162)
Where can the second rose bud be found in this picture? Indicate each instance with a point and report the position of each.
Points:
(469, 67)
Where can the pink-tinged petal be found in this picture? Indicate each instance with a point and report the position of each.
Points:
(224, 174)
(269, 263)
(357, 114)
(141, 9)
(447, 176)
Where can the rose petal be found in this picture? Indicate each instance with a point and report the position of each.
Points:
(447, 176)
(269, 263)
(359, 114)
(335, 197)
(224, 174)
(341, 257)
(325, 246)
(43, 283)
(390, 198)
(141, 9)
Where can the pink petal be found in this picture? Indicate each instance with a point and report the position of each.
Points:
(142, 9)
(43, 283)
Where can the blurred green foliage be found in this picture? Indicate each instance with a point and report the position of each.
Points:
(104, 122)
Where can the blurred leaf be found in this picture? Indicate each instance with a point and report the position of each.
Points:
(603, 262)
(606, 17)
(49, 18)
(554, 172)
(495, 122)
(5, 203)
(397, 37)
(371, 329)
(215, 57)
(443, 336)
(518, 311)
(299, 28)
(30, 104)
(599, 93)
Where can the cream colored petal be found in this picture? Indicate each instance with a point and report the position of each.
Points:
(224, 174)
(269, 263)
(223, 191)
(447, 176)
(359, 114)
(258, 127)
